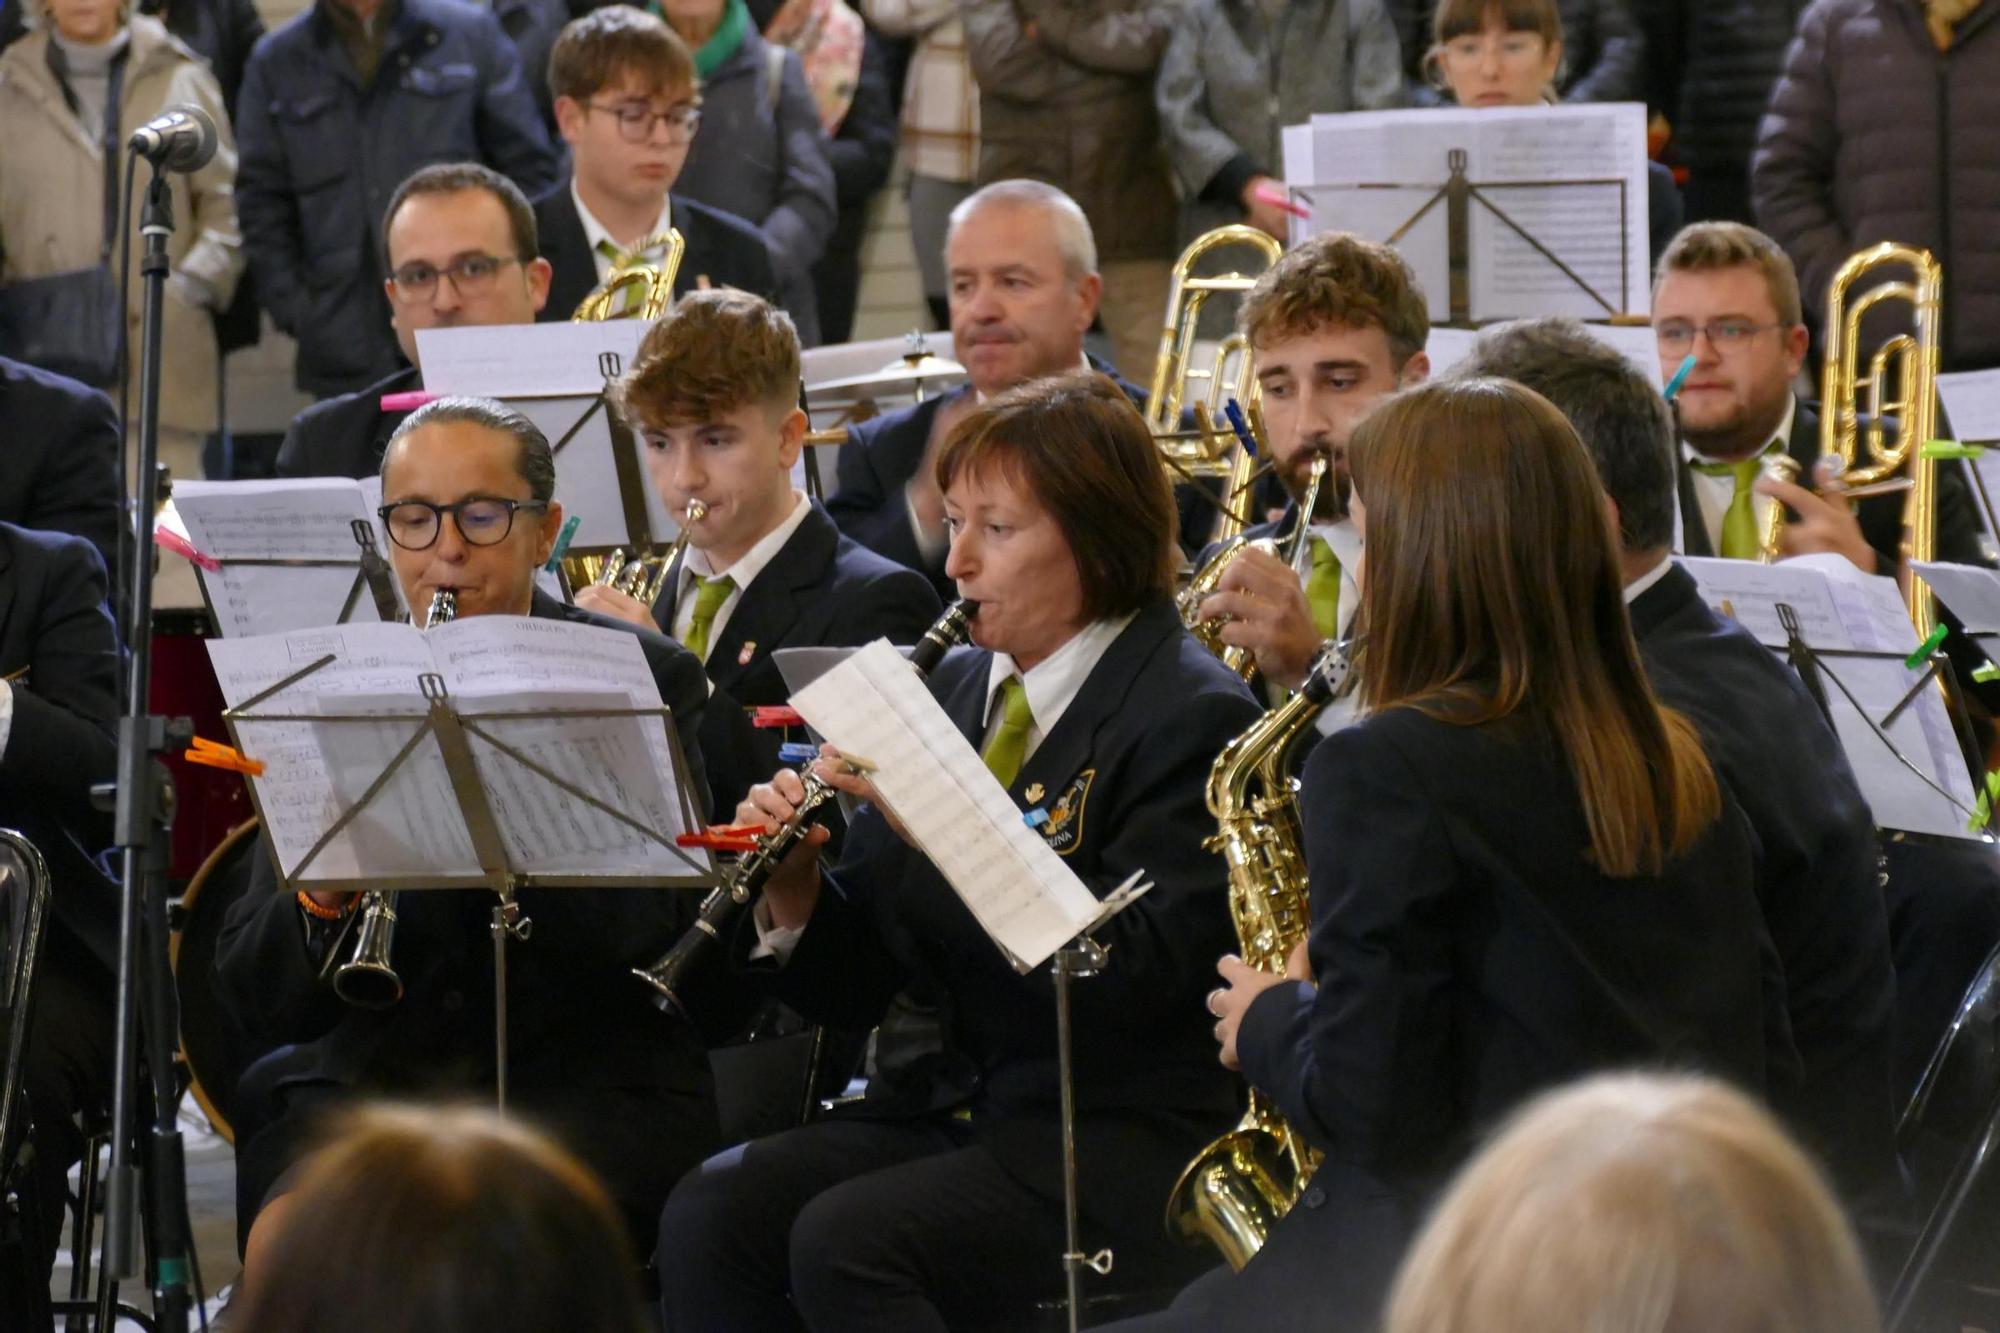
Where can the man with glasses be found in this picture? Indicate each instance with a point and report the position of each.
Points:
(1728, 295)
(469, 488)
(627, 105)
(461, 249)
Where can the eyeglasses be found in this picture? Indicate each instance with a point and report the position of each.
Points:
(636, 120)
(471, 275)
(1677, 335)
(414, 524)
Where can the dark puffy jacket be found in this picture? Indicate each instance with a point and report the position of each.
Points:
(321, 156)
(1712, 64)
(1604, 53)
(1874, 135)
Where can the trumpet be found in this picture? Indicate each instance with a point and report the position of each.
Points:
(643, 577)
(368, 980)
(724, 906)
(1205, 580)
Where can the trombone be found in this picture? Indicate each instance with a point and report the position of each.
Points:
(1231, 370)
(653, 283)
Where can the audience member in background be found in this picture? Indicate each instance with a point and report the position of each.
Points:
(1066, 96)
(59, 457)
(1633, 1201)
(940, 128)
(847, 69)
(1710, 68)
(763, 156)
(428, 1220)
(93, 74)
(533, 26)
(1877, 131)
(1607, 57)
(1237, 71)
(340, 105)
(222, 32)
(627, 106)
(1487, 53)
(461, 244)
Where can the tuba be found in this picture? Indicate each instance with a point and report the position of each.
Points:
(1190, 598)
(653, 282)
(1230, 373)
(1912, 359)
(368, 980)
(1239, 1186)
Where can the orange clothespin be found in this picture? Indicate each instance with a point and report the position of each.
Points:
(775, 717)
(214, 754)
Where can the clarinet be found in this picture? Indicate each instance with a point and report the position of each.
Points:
(724, 905)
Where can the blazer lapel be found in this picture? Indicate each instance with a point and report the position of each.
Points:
(1803, 445)
(772, 602)
(8, 580)
(1694, 532)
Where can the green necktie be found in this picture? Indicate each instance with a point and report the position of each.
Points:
(1739, 521)
(1323, 588)
(709, 595)
(1007, 747)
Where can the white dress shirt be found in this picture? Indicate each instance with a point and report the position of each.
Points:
(743, 573)
(1713, 494)
(1638, 587)
(595, 231)
(6, 713)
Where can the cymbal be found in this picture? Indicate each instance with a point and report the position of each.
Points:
(906, 374)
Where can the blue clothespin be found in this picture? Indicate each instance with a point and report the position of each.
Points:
(1035, 818)
(797, 752)
(1232, 411)
(1680, 377)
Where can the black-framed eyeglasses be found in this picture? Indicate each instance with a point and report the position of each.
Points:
(1677, 335)
(636, 120)
(471, 275)
(483, 521)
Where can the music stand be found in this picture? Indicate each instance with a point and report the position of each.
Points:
(371, 575)
(454, 731)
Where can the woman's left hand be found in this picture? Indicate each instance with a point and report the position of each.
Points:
(831, 767)
(1242, 984)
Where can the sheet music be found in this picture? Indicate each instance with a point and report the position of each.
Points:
(297, 519)
(1971, 401)
(872, 704)
(1840, 609)
(314, 771)
(1971, 591)
(1448, 346)
(1373, 172)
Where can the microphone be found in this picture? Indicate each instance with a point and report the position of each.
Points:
(181, 138)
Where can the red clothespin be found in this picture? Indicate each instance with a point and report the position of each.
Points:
(722, 837)
(775, 717)
(214, 754)
(407, 401)
(181, 546)
(1280, 201)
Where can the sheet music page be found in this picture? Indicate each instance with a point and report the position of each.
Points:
(1971, 591)
(1022, 893)
(488, 658)
(1837, 613)
(510, 361)
(302, 519)
(1448, 346)
(1971, 401)
(1579, 224)
(1372, 173)
(296, 793)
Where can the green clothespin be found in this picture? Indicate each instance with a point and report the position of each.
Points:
(1985, 673)
(1925, 649)
(1944, 450)
(1982, 809)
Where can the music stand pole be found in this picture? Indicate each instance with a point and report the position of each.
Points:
(1081, 957)
(508, 923)
(142, 805)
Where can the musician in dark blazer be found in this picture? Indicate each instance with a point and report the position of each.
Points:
(462, 249)
(939, 1199)
(713, 393)
(591, 1059)
(58, 711)
(59, 457)
(1522, 867)
(617, 73)
(1816, 858)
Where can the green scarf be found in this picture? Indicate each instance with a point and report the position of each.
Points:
(723, 42)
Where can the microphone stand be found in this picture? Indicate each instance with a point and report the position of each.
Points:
(142, 802)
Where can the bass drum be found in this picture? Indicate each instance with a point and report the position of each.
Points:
(214, 1046)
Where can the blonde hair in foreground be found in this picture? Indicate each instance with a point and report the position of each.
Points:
(1636, 1203)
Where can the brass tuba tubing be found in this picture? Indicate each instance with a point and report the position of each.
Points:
(725, 905)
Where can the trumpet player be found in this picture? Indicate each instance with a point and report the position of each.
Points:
(937, 1200)
(468, 489)
(628, 104)
(714, 394)
(1337, 325)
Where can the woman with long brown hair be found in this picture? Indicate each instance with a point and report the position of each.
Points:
(1522, 868)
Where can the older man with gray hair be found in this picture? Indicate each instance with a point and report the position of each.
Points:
(1024, 287)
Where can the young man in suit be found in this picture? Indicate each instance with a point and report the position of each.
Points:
(1728, 295)
(59, 469)
(627, 105)
(1816, 860)
(714, 394)
(591, 1059)
(462, 250)
(1024, 289)
(1337, 325)
(58, 714)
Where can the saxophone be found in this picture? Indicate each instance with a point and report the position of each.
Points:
(1238, 1187)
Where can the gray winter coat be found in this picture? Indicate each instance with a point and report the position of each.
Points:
(1874, 135)
(1230, 81)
